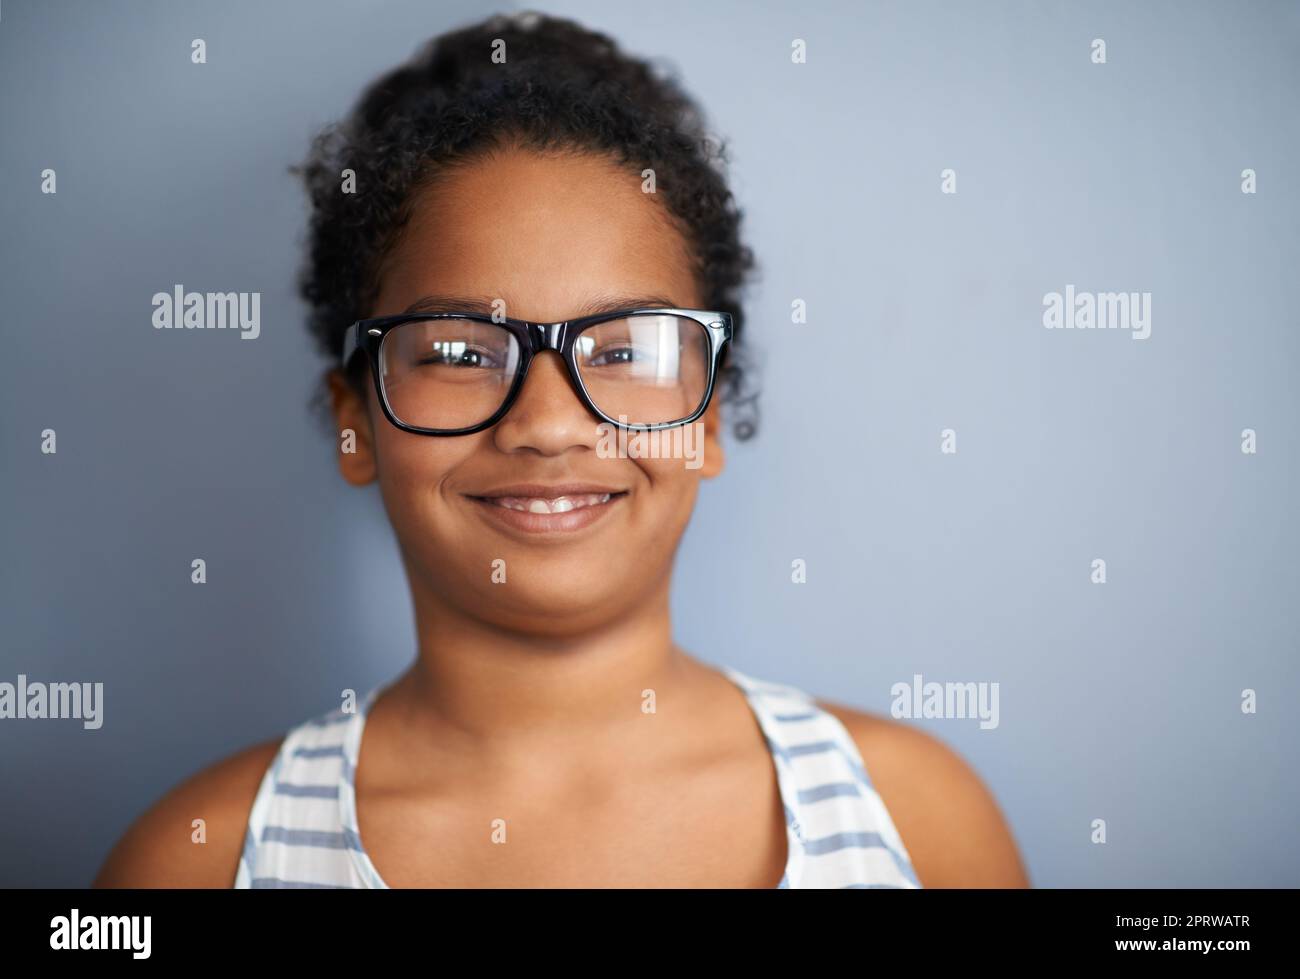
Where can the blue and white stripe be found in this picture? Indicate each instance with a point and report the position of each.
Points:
(302, 829)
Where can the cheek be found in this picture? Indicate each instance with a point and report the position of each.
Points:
(417, 464)
(672, 489)
(412, 469)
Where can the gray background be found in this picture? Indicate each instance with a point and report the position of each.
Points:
(1118, 701)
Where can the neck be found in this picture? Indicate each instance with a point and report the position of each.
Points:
(495, 683)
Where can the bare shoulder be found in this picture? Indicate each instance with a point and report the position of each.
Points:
(158, 850)
(950, 823)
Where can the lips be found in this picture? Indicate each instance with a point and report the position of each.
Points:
(540, 509)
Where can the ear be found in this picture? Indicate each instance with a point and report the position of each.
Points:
(713, 459)
(356, 437)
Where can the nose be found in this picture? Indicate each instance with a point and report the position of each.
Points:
(548, 417)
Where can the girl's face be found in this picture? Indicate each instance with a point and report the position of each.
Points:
(553, 236)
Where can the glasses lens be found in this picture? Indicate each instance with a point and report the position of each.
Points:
(652, 369)
(447, 373)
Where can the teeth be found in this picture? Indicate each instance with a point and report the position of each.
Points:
(561, 504)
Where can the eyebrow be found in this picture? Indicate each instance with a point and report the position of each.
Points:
(484, 304)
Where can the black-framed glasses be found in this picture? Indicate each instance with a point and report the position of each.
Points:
(455, 373)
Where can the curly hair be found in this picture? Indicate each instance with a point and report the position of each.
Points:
(561, 86)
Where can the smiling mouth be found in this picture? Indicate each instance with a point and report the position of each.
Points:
(559, 504)
(548, 510)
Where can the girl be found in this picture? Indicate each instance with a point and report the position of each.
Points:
(540, 250)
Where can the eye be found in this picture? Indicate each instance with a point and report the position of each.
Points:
(616, 355)
(458, 353)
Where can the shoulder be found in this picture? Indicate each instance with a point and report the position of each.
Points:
(158, 849)
(949, 821)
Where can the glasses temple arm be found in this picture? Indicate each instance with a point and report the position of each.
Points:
(351, 340)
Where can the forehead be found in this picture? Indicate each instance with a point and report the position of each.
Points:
(544, 231)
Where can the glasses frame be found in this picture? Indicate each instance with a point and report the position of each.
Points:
(534, 338)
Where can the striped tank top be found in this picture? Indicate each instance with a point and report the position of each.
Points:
(302, 828)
